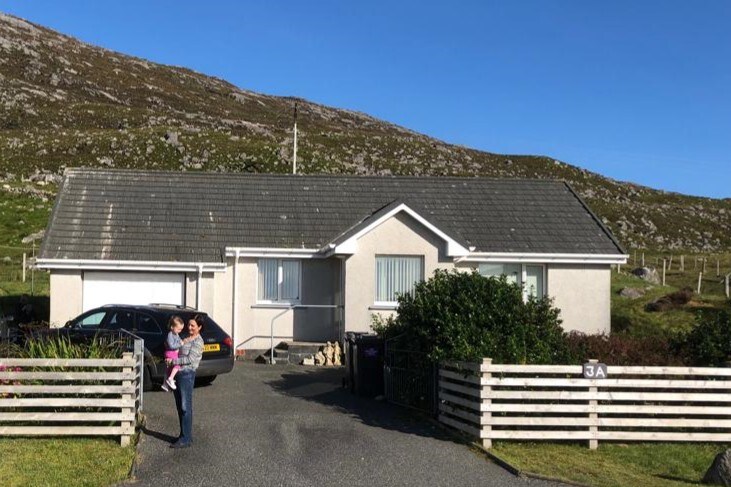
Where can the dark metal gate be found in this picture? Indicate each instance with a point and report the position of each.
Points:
(409, 378)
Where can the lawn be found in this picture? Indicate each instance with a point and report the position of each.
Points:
(646, 464)
(64, 461)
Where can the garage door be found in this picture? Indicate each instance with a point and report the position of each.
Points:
(102, 288)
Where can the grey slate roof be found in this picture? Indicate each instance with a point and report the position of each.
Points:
(191, 217)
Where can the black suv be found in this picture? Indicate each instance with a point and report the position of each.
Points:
(150, 323)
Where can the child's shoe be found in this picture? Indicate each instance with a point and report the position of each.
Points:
(170, 384)
(164, 386)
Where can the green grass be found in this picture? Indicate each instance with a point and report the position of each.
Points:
(649, 465)
(629, 314)
(63, 461)
(20, 216)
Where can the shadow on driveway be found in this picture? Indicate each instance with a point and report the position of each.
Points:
(304, 385)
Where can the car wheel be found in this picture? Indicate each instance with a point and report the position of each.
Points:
(147, 380)
(204, 381)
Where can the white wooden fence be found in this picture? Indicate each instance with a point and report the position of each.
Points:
(49, 397)
(555, 402)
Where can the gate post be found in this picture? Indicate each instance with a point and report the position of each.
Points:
(593, 416)
(486, 400)
(127, 399)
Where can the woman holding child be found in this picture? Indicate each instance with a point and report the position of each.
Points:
(189, 356)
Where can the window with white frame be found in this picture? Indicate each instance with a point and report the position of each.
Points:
(530, 277)
(279, 281)
(396, 274)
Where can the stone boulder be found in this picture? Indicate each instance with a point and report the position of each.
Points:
(647, 274)
(631, 292)
(719, 473)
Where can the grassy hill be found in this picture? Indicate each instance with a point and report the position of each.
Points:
(67, 103)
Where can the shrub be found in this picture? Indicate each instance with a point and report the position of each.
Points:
(670, 301)
(622, 349)
(709, 342)
(465, 316)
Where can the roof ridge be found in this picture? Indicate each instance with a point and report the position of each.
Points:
(244, 175)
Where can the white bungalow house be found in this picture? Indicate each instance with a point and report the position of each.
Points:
(311, 257)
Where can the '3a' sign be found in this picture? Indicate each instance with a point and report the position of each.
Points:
(595, 371)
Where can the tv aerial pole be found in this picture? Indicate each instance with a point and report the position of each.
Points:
(294, 154)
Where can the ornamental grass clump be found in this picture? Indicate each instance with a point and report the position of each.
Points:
(63, 347)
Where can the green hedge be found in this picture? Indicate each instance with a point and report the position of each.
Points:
(465, 316)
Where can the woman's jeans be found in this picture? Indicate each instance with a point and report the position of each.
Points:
(185, 380)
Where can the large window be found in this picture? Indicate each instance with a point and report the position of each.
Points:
(527, 276)
(396, 274)
(279, 281)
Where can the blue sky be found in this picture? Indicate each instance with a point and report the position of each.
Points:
(635, 90)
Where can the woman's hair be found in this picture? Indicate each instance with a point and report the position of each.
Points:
(199, 320)
(175, 320)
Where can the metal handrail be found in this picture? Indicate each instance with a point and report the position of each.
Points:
(289, 308)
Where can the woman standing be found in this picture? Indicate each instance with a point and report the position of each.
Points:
(189, 356)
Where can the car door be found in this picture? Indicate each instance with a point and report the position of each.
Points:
(148, 328)
(119, 319)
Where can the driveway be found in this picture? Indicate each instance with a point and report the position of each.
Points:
(290, 425)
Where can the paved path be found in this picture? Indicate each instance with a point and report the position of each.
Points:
(294, 426)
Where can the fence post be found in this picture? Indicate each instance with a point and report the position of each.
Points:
(700, 279)
(24, 266)
(127, 426)
(486, 426)
(682, 263)
(593, 416)
(727, 290)
(664, 263)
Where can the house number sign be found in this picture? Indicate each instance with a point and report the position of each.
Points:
(595, 371)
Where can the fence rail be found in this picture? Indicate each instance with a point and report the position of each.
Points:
(555, 402)
(104, 394)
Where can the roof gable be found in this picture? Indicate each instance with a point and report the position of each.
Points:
(346, 243)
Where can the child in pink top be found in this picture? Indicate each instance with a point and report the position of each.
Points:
(172, 345)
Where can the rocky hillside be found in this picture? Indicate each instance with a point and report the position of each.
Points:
(66, 103)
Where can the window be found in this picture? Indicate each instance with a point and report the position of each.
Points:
(534, 280)
(396, 275)
(279, 281)
(91, 321)
(529, 277)
(147, 324)
(120, 319)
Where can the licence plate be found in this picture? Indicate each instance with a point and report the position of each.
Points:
(212, 347)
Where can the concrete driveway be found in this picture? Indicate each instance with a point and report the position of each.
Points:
(288, 425)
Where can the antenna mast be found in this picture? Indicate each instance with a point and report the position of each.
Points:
(294, 155)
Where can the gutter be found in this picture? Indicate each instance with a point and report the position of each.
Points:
(544, 258)
(273, 252)
(130, 265)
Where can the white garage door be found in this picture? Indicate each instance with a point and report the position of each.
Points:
(102, 288)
